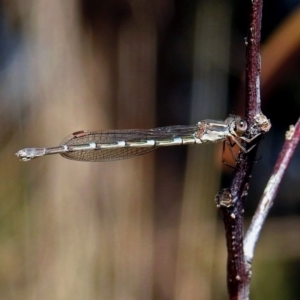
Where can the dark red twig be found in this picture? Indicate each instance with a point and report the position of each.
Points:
(238, 275)
(253, 62)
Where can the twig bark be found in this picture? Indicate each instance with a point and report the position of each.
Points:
(231, 201)
(253, 62)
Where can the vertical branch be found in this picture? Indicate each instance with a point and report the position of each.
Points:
(253, 62)
(231, 201)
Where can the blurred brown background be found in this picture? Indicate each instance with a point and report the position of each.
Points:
(145, 228)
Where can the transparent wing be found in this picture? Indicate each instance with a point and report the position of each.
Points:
(115, 136)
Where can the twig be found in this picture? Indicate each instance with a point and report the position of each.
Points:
(231, 201)
(266, 202)
(238, 277)
(253, 62)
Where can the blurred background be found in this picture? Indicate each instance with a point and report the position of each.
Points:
(144, 228)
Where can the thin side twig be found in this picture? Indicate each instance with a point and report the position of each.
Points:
(267, 200)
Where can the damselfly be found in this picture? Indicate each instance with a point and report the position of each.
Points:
(111, 145)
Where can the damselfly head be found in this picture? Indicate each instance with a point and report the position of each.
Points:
(236, 124)
(240, 126)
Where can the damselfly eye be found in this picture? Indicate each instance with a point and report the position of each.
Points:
(241, 126)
